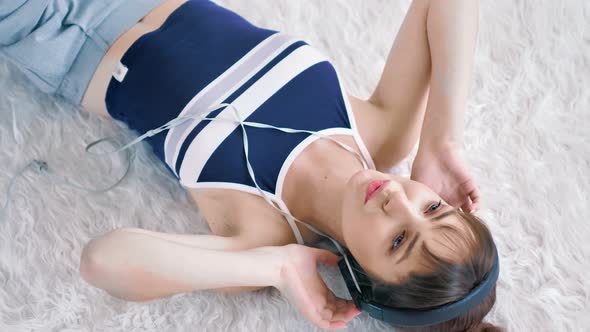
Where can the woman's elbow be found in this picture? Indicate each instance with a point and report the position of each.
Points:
(91, 261)
(97, 269)
(94, 258)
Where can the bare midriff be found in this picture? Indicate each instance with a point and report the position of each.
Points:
(93, 99)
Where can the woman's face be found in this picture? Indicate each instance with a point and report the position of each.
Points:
(385, 233)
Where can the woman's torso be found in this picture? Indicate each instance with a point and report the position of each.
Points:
(248, 213)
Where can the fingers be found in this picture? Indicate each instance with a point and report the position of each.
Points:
(472, 196)
(467, 207)
(475, 196)
(337, 325)
(337, 319)
(327, 321)
(337, 312)
(326, 257)
(323, 318)
(322, 315)
(307, 306)
(345, 310)
(342, 315)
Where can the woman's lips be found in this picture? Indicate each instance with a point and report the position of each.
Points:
(374, 187)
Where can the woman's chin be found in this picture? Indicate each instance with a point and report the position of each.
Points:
(356, 178)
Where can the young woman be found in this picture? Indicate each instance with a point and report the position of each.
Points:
(147, 63)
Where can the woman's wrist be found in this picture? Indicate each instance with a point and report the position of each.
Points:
(439, 144)
(273, 258)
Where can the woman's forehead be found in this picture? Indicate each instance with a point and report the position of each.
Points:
(450, 237)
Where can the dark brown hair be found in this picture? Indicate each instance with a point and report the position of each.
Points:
(447, 281)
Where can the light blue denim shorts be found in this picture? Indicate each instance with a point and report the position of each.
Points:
(58, 44)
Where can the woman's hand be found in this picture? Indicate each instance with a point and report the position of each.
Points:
(440, 167)
(302, 285)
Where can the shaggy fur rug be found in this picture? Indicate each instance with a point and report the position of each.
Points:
(526, 141)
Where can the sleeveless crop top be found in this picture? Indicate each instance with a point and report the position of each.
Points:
(284, 94)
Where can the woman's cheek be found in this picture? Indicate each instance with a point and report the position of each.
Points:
(369, 235)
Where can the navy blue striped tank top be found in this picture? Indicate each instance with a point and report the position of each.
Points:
(205, 55)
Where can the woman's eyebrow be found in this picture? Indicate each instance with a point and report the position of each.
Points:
(413, 241)
(409, 247)
(444, 214)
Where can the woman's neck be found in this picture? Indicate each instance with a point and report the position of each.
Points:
(316, 195)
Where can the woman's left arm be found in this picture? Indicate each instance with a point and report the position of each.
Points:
(435, 46)
(452, 36)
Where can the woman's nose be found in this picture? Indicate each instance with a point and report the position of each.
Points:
(397, 201)
(399, 205)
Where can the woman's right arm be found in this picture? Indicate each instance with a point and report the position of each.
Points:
(135, 265)
(205, 241)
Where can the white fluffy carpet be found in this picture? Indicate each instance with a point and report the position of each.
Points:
(526, 139)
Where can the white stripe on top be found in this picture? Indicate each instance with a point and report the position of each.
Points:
(207, 141)
(222, 87)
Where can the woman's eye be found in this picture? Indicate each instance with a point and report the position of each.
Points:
(398, 240)
(435, 207)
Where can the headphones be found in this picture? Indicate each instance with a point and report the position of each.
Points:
(416, 317)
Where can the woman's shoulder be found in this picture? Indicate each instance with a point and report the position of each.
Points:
(384, 132)
(372, 124)
(244, 215)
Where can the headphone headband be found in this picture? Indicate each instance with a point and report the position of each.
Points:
(416, 317)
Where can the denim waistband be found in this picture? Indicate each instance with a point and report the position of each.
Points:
(100, 38)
